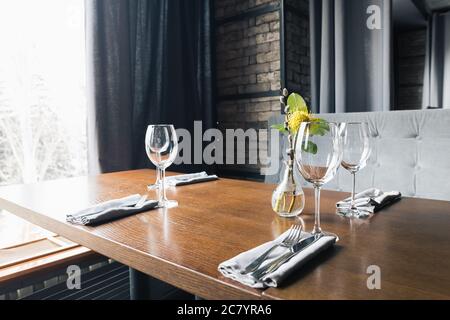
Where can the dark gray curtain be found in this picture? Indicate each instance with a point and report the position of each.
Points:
(149, 61)
(436, 89)
(350, 62)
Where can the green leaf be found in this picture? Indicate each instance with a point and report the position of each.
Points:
(297, 103)
(279, 127)
(310, 147)
(319, 127)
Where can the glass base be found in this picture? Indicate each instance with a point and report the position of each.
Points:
(168, 204)
(353, 213)
(289, 215)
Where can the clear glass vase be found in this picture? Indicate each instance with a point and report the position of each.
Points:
(288, 199)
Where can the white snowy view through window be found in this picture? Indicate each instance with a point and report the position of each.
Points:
(42, 90)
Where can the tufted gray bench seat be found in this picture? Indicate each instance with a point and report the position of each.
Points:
(410, 153)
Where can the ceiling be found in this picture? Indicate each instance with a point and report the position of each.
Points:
(437, 5)
(412, 14)
(407, 16)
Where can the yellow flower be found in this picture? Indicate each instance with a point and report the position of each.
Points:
(296, 118)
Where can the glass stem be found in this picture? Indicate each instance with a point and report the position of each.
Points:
(353, 190)
(162, 189)
(158, 176)
(317, 228)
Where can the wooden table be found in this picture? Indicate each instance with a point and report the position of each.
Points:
(409, 241)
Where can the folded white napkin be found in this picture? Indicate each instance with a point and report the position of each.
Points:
(370, 200)
(232, 268)
(190, 178)
(111, 210)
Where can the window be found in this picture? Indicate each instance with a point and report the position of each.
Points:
(42, 96)
(42, 90)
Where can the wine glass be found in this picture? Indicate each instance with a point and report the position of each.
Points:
(356, 151)
(318, 154)
(155, 185)
(161, 145)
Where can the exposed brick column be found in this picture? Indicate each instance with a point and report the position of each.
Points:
(248, 66)
(298, 62)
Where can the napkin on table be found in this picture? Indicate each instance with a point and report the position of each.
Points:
(232, 268)
(111, 210)
(371, 200)
(190, 178)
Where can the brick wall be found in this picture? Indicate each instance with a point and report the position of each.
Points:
(248, 65)
(298, 63)
(409, 69)
(247, 68)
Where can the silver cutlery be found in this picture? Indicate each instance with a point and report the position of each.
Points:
(141, 201)
(294, 250)
(293, 236)
(189, 177)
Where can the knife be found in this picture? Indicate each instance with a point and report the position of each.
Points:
(187, 177)
(271, 267)
(141, 201)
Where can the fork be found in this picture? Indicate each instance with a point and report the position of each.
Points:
(293, 236)
(274, 265)
(141, 201)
